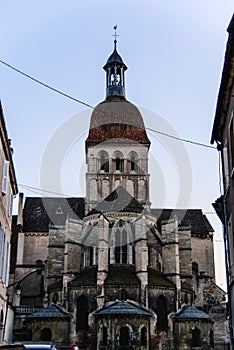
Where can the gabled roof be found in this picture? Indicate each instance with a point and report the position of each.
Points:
(190, 312)
(52, 311)
(118, 201)
(119, 308)
(39, 213)
(200, 226)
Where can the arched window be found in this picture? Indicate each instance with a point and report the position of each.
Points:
(195, 269)
(82, 313)
(133, 163)
(118, 160)
(104, 163)
(196, 337)
(124, 336)
(122, 295)
(133, 256)
(55, 298)
(118, 164)
(2, 317)
(159, 266)
(143, 336)
(162, 322)
(104, 336)
(91, 252)
(118, 76)
(121, 248)
(112, 76)
(211, 339)
(46, 334)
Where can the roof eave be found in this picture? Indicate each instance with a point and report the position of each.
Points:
(226, 86)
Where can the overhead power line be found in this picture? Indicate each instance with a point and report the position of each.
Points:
(88, 105)
(40, 190)
(44, 84)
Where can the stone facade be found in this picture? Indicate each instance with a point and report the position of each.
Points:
(114, 271)
(8, 185)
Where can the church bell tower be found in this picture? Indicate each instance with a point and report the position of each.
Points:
(117, 145)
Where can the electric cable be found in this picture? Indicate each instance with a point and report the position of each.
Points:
(90, 106)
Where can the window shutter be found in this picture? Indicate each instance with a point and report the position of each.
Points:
(5, 177)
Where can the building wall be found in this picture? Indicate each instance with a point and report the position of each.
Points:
(203, 254)
(183, 334)
(8, 188)
(35, 247)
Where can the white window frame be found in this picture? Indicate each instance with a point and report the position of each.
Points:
(5, 176)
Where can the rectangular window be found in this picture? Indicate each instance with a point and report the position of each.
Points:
(5, 177)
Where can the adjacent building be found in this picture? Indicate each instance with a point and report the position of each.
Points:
(8, 187)
(108, 271)
(223, 135)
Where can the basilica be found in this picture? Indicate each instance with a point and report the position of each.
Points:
(108, 271)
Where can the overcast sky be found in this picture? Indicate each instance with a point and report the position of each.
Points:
(174, 51)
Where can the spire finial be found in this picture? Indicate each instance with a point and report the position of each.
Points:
(115, 35)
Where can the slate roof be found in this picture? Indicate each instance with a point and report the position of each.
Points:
(114, 119)
(39, 213)
(190, 312)
(55, 285)
(87, 277)
(52, 311)
(200, 226)
(118, 201)
(120, 308)
(157, 278)
(114, 58)
(122, 275)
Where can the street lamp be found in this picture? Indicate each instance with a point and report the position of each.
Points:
(18, 290)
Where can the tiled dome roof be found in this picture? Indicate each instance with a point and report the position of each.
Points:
(116, 118)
